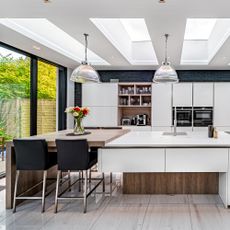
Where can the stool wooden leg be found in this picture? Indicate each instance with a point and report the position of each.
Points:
(57, 188)
(85, 190)
(15, 190)
(44, 190)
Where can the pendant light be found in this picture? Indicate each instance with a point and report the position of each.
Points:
(85, 72)
(166, 73)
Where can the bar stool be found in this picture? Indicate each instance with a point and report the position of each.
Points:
(32, 155)
(74, 155)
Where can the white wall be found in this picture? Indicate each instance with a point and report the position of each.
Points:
(70, 98)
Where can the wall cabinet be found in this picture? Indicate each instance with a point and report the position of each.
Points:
(182, 94)
(104, 94)
(221, 104)
(203, 94)
(102, 101)
(161, 105)
(101, 116)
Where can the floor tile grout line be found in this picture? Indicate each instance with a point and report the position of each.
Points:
(190, 214)
(101, 213)
(146, 210)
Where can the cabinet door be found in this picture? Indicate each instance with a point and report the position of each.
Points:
(221, 104)
(131, 160)
(182, 94)
(203, 94)
(197, 160)
(161, 105)
(101, 116)
(104, 94)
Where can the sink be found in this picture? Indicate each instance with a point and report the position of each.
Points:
(228, 132)
(177, 133)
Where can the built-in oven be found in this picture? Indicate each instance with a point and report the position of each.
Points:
(183, 116)
(202, 116)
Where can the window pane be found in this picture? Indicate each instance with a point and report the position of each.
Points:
(47, 80)
(14, 94)
(14, 98)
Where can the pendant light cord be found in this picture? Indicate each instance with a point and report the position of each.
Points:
(86, 48)
(166, 48)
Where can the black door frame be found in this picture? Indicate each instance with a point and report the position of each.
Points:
(62, 88)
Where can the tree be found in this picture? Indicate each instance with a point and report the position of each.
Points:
(15, 79)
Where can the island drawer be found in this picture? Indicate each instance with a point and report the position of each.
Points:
(197, 160)
(131, 160)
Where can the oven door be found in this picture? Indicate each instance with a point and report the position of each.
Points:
(203, 118)
(184, 117)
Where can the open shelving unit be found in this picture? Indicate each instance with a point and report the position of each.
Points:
(134, 99)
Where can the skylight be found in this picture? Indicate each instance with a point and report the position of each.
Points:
(199, 28)
(131, 37)
(46, 33)
(203, 39)
(136, 29)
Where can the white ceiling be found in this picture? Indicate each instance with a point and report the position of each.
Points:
(72, 16)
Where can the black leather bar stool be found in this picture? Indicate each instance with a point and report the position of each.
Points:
(32, 155)
(74, 155)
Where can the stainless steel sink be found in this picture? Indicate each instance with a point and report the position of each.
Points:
(228, 132)
(173, 134)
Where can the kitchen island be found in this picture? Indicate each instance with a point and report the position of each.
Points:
(157, 163)
(151, 162)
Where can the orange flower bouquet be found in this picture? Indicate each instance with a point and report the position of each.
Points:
(78, 113)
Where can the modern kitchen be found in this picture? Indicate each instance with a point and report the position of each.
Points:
(115, 115)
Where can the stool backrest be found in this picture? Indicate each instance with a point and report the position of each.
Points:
(72, 154)
(31, 154)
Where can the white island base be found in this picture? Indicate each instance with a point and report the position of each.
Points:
(152, 152)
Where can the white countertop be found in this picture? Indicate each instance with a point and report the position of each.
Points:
(157, 139)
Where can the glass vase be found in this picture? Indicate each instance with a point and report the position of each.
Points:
(78, 127)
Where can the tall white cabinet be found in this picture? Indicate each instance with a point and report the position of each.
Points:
(161, 106)
(203, 94)
(222, 105)
(182, 95)
(102, 101)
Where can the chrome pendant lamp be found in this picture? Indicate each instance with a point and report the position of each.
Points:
(166, 73)
(85, 72)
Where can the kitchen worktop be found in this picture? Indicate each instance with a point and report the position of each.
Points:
(157, 139)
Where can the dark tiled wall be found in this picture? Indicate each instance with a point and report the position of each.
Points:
(184, 75)
(77, 94)
(147, 75)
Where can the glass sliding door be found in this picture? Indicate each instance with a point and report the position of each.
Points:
(46, 96)
(14, 98)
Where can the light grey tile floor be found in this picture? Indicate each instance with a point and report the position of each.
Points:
(136, 212)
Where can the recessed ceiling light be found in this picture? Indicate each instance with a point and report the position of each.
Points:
(162, 1)
(47, 1)
(36, 47)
